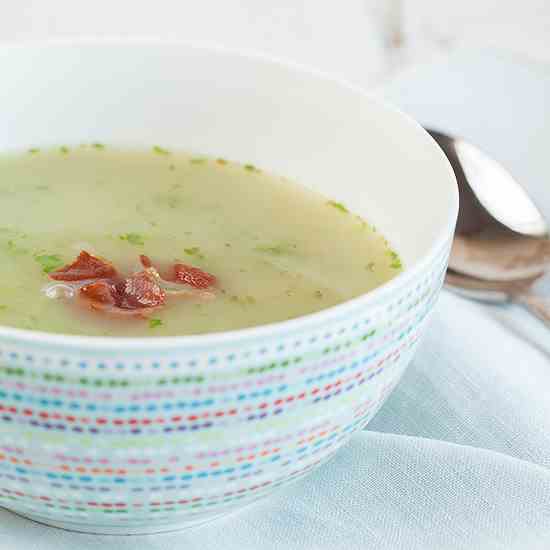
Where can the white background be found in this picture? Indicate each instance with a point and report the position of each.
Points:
(362, 40)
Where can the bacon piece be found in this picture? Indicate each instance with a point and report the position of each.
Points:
(99, 285)
(145, 261)
(138, 291)
(85, 267)
(138, 294)
(193, 276)
(102, 292)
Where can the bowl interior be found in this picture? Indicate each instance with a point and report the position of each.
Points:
(323, 134)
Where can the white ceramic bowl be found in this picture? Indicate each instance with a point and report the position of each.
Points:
(128, 435)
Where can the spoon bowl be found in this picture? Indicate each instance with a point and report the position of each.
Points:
(501, 247)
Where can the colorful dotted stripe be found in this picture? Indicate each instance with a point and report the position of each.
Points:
(290, 403)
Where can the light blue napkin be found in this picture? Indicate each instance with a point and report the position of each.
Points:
(459, 457)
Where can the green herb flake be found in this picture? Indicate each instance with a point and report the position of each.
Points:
(64, 150)
(277, 249)
(3, 307)
(193, 251)
(41, 187)
(171, 167)
(396, 261)
(34, 150)
(370, 266)
(14, 249)
(133, 238)
(197, 160)
(250, 168)
(318, 294)
(98, 146)
(154, 323)
(49, 262)
(338, 206)
(160, 150)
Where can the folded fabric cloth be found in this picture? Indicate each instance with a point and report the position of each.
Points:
(459, 456)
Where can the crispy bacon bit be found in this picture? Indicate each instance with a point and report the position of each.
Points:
(139, 291)
(193, 276)
(102, 292)
(85, 267)
(145, 261)
(98, 283)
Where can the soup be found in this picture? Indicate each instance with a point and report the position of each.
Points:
(98, 241)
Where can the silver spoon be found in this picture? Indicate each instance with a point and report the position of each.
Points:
(501, 249)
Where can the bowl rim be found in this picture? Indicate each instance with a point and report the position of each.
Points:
(282, 328)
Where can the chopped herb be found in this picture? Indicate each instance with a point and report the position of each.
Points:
(243, 300)
(153, 224)
(160, 151)
(34, 150)
(338, 206)
(228, 245)
(370, 266)
(41, 187)
(318, 294)
(133, 238)
(250, 168)
(289, 292)
(49, 262)
(221, 162)
(64, 149)
(154, 323)
(14, 249)
(3, 307)
(98, 146)
(396, 262)
(197, 160)
(277, 249)
(171, 167)
(194, 251)
(172, 200)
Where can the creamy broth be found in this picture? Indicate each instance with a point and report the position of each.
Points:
(277, 250)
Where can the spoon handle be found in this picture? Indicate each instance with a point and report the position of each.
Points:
(537, 305)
